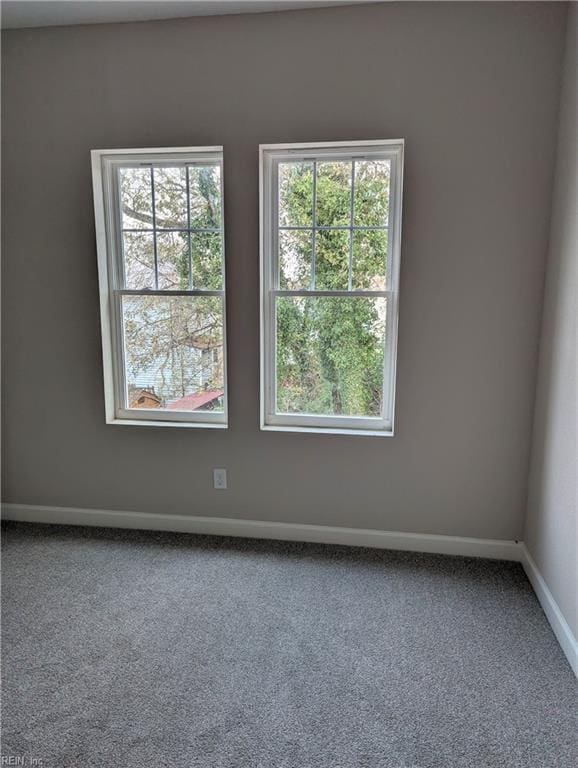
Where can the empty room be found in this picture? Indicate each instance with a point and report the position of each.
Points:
(289, 384)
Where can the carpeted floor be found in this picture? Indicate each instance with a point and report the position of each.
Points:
(143, 650)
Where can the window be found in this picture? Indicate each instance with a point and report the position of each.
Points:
(159, 228)
(330, 249)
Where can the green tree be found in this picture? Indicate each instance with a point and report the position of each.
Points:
(330, 349)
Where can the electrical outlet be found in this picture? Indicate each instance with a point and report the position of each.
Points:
(220, 479)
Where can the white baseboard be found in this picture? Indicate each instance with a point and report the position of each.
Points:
(553, 613)
(499, 549)
(259, 529)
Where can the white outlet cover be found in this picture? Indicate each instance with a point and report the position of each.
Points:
(220, 479)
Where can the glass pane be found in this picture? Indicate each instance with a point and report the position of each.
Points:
(173, 347)
(136, 198)
(332, 259)
(173, 261)
(369, 260)
(205, 196)
(139, 260)
(171, 197)
(333, 194)
(295, 254)
(371, 193)
(207, 261)
(330, 355)
(295, 194)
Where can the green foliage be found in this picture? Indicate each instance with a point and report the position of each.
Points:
(371, 193)
(330, 355)
(332, 260)
(295, 249)
(205, 196)
(330, 349)
(207, 260)
(296, 194)
(369, 259)
(333, 194)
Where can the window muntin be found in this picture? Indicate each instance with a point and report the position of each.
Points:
(331, 227)
(161, 270)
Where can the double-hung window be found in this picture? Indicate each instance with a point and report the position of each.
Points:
(330, 252)
(159, 227)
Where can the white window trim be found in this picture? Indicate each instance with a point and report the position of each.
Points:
(269, 156)
(109, 250)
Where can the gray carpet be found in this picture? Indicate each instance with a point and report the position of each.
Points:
(144, 650)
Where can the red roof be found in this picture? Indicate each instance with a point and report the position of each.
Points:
(194, 402)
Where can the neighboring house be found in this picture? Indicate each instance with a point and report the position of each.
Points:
(143, 398)
(211, 365)
(192, 371)
(206, 401)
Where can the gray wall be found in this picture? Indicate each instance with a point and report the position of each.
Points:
(473, 88)
(550, 531)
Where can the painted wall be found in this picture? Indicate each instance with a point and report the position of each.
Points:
(550, 532)
(472, 87)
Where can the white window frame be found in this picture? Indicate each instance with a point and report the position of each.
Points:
(269, 157)
(105, 164)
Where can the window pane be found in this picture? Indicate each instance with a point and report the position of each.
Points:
(295, 194)
(170, 197)
(207, 260)
(369, 260)
(173, 260)
(173, 347)
(332, 259)
(205, 195)
(295, 254)
(333, 194)
(139, 260)
(371, 193)
(136, 198)
(330, 355)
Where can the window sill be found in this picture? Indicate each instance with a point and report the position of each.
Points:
(155, 423)
(330, 431)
